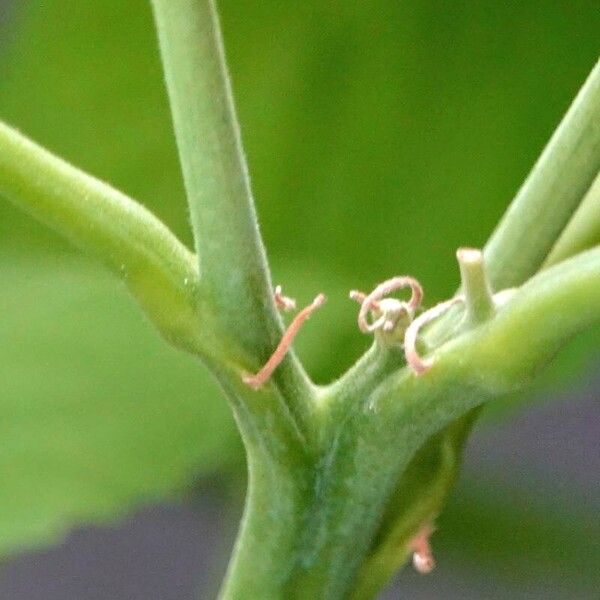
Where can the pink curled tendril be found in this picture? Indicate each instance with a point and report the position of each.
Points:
(257, 380)
(418, 364)
(370, 301)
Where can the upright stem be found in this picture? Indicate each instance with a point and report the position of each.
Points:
(236, 295)
(235, 280)
(560, 178)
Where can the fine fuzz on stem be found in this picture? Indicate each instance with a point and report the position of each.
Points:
(256, 381)
(234, 273)
(160, 272)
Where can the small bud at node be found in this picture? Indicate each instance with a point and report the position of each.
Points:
(374, 302)
(423, 560)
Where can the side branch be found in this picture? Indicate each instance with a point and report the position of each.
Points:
(235, 280)
(583, 230)
(159, 271)
(551, 193)
(526, 332)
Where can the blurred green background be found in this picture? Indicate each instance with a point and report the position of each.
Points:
(381, 136)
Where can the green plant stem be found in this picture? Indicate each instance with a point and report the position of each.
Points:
(233, 266)
(583, 230)
(551, 193)
(545, 203)
(236, 293)
(333, 508)
(235, 287)
(159, 271)
(418, 499)
(380, 434)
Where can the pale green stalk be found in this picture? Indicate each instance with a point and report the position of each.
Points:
(235, 280)
(235, 286)
(583, 230)
(160, 271)
(551, 193)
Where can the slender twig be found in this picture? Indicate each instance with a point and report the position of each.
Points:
(551, 193)
(257, 380)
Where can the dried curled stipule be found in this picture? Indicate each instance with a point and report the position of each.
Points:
(283, 302)
(256, 381)
(370, 301)
(418, 364)
(359, 297)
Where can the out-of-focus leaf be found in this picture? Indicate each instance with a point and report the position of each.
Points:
(491, 528)
(97, 414)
